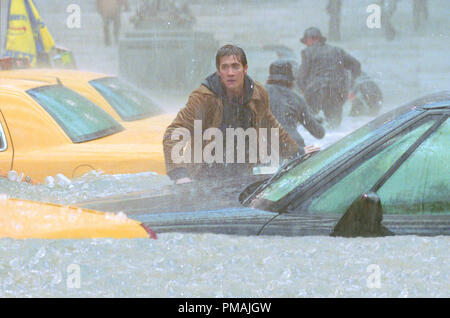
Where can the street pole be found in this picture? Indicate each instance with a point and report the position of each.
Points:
(3, 24)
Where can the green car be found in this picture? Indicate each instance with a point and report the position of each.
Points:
(401, 158)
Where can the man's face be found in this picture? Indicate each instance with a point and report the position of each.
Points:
(231, 73)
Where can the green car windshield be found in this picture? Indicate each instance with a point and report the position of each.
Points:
(130, 103)
(343, 148)
(80, 119)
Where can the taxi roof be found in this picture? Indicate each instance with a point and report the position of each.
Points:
(21, 84)
(49, 74)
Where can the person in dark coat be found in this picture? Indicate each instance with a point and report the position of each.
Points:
(366, 97)
(110, 10)
(420, 13)
(388, 8)
(334, 26)
(323, 77)
(289, 108)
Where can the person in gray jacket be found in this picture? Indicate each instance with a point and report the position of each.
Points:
(288, 107)
(323, 77)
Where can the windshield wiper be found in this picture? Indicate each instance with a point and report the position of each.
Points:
(280, 172)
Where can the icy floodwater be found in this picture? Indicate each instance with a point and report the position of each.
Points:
(208, 265)
(211, 265)
(205, 265)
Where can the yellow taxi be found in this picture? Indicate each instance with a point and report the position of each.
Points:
(132, 107)
(47, 129)
(25, 219)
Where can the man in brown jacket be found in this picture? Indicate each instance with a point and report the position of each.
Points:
(227, 99)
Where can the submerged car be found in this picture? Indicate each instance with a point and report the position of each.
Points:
(388, 177)
(48, 129)
(25, 219)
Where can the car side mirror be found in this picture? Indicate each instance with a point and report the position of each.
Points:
(362, 218)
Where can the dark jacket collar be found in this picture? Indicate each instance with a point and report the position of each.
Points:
(212, 82)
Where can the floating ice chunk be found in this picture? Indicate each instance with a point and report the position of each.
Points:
(121, 217)
(56, 278)
(49, 181)
(14, 176)
(41, 252)
(62, 180)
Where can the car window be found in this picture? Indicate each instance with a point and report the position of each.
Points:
(340, 196)
(343, 148)
(3, 144)
(426, 190)
(80, 119)
(129, 102)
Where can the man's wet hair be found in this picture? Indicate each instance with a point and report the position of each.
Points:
(230, 50)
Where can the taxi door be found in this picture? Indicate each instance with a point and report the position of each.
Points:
(6, 148)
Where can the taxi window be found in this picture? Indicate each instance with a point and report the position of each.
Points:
(80, 119)
(129, 102)
(3, 144)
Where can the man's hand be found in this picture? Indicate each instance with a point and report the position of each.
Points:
(183, 180)
(311, 149)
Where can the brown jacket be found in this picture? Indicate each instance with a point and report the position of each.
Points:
(205, 105)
